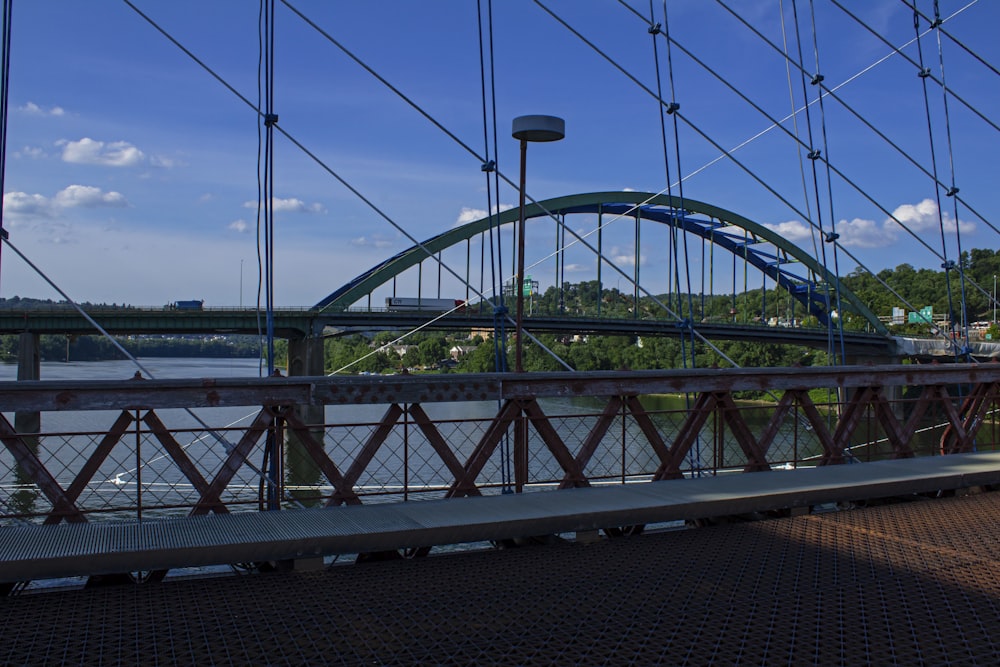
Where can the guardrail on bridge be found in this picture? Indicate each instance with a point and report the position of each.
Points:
(144, 448)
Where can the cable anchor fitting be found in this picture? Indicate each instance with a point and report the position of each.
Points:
(488, 166)
(948, 265)
(832, 236)
(952, 191)
(270, 119)
(654, 29)
(672, 107)
(924, 73)
(814, 154)
(817, 79)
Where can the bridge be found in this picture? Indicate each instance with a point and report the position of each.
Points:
(355, 307)
(838, 514)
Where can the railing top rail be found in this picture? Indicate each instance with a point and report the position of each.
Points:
(59, 395)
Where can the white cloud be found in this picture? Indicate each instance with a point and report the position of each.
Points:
(862, 233)
(467, 215)
(163, 162)
(238, 226)
(32, 152)
(290, 205)
(924, 217)
(625, 257)
(89, 151)
(89, 197)
(22, 205)
(373, 241)
(793, 230)
(35, 110)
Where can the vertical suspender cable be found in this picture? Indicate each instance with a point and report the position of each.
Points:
(923, 74)
(8, 7)
(814, 155)
(270, 118)
(795, 126)
(832, 237)
(273, 448)
(262, 346)
(672, 108)
(953, 190)
(489, 168)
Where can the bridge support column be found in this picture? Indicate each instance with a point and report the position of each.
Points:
(305, 358)
(29, 367)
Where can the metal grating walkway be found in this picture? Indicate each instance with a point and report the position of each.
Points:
(905, 584)
(38, 552)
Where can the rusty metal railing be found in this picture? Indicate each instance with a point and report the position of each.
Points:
(114, 450)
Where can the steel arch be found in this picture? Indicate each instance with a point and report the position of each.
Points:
(710, 222)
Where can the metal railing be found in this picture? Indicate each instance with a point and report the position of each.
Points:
(121, 450)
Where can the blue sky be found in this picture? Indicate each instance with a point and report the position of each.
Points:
(131, 173)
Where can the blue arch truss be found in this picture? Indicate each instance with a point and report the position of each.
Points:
(788, 265)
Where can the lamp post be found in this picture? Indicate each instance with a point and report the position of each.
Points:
(525, 129)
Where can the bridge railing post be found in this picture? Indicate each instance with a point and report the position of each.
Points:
(305, 358)
(28, 368)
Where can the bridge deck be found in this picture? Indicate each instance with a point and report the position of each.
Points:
(39, 552)
(902, 584)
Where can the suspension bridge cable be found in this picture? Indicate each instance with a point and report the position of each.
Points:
(737, 162)
(924, 74)
(949, 91)
(8, 16)
(499, 174)
(388, 219)
(673, 265)
(951, 167)
(499, 335)
(843, 176)
(261, 339)
(694, 457)
(817, 79)
(827, 92)
(654, 29)
(794, 136)
(337, 176)
(226, 445)
(677, 113)
(680, 186)
(937, 24)
(371, 204)
(795, 123)
(489, 168)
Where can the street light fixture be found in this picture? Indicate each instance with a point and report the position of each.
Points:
(525, 129)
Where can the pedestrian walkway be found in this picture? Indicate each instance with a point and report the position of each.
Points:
(902, 584)
(39, 552)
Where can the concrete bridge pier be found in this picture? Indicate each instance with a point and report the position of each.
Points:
(29, 367)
